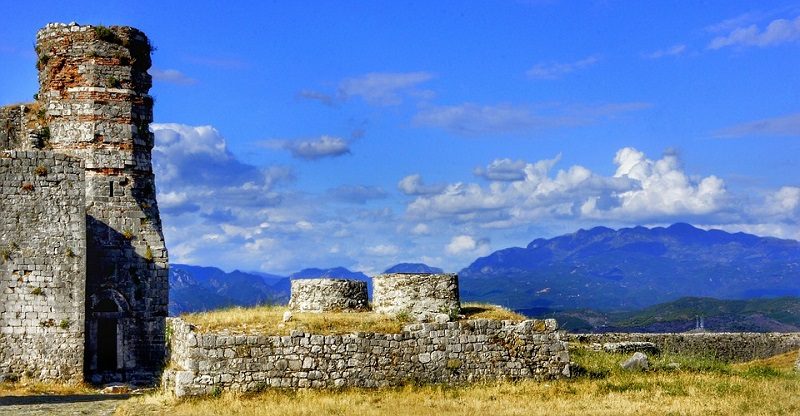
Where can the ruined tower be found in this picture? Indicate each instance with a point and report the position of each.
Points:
(91, 116)
(93, 86)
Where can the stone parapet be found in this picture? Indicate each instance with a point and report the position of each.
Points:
(452, 353)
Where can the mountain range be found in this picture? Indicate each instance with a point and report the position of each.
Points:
(587, 279)
(633, 268)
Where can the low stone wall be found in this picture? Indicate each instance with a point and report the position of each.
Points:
(451, 352)
(422, 296)
(320, 295)
(726, 346)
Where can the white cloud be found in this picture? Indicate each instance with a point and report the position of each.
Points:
(384, 250)
(777, 32)
(641, 189)
(413, 185)
(474, 119)
(675, 50)
(384, 88)
(172, 76)
(312, 149)
(465, 244)
(556, 70)
(782, 203)
(421, 229)
(502, 170)
(788, 125)
(357, 194)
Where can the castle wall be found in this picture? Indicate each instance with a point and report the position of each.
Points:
(42, 265)
(454, 352)
(94, 89)
(725, 346)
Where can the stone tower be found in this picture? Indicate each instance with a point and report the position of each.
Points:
(93, 90)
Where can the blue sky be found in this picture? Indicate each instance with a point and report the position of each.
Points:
(362, 134)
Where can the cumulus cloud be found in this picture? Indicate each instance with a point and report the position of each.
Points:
(172, 76)
(313, 149)
(675, 50)
(421, 229)
(788, 125)
(782, 203)
(413, 185)
(641, 189)
(474, 119)
(384, 88)
(357, 194)
(556, 70)
(777, 32)
(502, 170)
(465, 244)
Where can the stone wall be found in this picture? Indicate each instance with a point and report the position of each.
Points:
(42, 265)
(320, 295)
(454, 352)
(731, 346)
(94, 89)
(422, 296)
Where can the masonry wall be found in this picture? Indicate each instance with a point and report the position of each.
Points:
(94, 90)
(731, 346)
(42, 265)
(454, 352)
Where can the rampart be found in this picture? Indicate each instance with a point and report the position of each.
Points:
(42, 265)
(453, 352)
(725, 346)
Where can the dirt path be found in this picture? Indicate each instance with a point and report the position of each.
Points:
(89, 404)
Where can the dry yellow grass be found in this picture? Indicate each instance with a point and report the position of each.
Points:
(638, 394)
(27, 387)
(269, 320)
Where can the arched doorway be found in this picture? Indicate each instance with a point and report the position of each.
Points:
(105, 342)
(107, 335)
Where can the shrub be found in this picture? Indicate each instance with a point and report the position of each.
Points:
(40, 171)
(112, 82)
(37, 291)
(42, 61)
(148, 254)
(64, 324)
(127, 234)
(27, 187)
(105, 34)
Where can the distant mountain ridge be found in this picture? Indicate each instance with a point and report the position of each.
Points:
(632, 268)
(684, 314)
(413, 268)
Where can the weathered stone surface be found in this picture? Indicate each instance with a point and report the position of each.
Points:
(42, 265)
(84, 271)
(725, 346)
(320, 295)
(638, 362)
(453, 353)
(421, 296)
(94, 85)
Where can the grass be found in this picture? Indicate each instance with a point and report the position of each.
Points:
(699, 387)
(269, 320)
(30, 387)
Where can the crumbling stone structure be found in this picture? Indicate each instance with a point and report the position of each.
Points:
(323, 295)
(452, 353)
(422, 296)
(92, 115)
